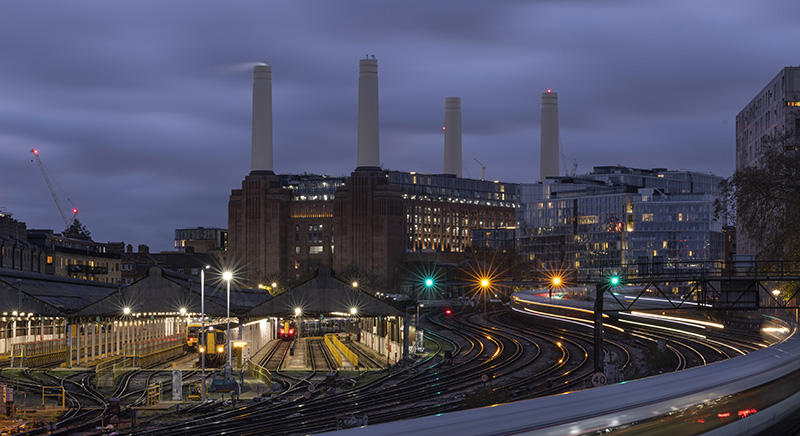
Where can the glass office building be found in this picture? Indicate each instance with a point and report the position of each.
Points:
(619, 216)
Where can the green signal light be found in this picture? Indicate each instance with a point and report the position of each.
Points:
(428, 282)
(614, 280)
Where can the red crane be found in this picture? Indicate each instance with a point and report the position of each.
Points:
(67, 221)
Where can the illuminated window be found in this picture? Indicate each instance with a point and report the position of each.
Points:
(49, 260)
(793, 103)
(315, 249)
(647, 217)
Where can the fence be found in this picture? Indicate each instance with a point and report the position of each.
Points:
(336, 346)
(31, 354)
(149, 351)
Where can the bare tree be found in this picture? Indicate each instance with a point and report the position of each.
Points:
(765, 199)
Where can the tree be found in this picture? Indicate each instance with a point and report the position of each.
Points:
(764, 197)
(77, 230)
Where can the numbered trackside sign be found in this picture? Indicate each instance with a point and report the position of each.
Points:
(599, 379)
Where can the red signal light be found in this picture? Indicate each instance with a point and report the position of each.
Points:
(35, 151)
(74, 210)
(448, 311)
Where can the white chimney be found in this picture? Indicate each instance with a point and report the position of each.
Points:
(452, 136)
(548, 164)
(368, 141)
(261, 158)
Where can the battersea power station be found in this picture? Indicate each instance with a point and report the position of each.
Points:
(285, 226)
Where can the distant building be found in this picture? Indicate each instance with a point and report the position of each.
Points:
(77, 258)
(201, 239)
(619, 216)
(774, 111)
(15, 250)
(363, 223)
(284, 227)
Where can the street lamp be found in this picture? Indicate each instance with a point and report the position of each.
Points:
(227, 276)
(203, 330)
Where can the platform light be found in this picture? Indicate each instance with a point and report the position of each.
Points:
(183, 311)
(126, 310)
(353, 311)
(297, 311)
(354, 284)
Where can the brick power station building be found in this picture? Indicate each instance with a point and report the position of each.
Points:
(285, 226)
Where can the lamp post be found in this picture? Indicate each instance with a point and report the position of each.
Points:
(227, 276)
(203, 331)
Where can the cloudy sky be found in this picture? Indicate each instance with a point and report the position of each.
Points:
(141, 109)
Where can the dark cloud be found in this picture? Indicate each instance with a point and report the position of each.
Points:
(142, 109)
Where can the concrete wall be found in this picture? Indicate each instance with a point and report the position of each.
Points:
(259, 333)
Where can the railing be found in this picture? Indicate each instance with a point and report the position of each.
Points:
(142, 352)
(688, 270)
(102, 372)
(38, 353)
(349, 355)
(334, 352)
(154, 394)
(259, 372)
(61, 393)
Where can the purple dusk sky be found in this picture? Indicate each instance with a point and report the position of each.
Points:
(142, 110)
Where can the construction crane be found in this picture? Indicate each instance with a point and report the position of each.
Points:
(67, 221)
(483, 167)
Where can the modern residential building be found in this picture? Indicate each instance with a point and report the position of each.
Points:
(773, 112)
(618, 216)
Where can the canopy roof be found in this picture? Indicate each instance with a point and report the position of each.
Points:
(164, 292)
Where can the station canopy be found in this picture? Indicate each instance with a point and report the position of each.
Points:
(164, 292)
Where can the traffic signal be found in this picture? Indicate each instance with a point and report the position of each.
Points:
(448, 311)
(429, 282)
(614, 280)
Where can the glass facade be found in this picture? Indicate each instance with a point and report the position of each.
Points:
(619, 216)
